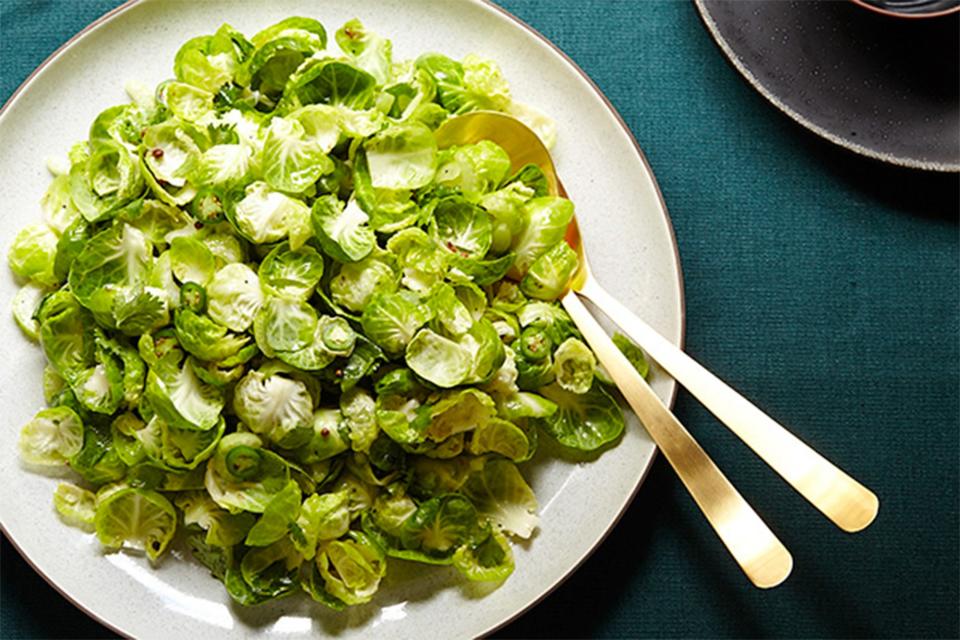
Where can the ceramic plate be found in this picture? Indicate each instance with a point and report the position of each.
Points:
(625, 226)
(878, 85)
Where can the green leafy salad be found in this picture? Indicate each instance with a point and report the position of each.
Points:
(285, 329)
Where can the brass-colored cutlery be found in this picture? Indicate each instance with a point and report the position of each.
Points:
(763, 558)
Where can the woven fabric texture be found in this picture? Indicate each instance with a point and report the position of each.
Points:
(821, 284)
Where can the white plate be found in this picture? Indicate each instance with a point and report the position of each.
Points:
(626, 229)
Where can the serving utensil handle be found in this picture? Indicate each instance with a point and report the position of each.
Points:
(762, 556)
(846, 502)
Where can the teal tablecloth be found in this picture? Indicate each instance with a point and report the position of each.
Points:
(821, 284)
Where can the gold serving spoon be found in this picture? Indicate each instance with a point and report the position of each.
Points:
(846, 502)
(763, 558)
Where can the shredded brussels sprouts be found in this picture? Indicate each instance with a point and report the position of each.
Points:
(286, 328)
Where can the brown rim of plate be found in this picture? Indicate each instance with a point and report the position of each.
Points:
(731, 56)
(673, 241)
(900, 14)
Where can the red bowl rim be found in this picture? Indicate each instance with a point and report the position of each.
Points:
(897, 14)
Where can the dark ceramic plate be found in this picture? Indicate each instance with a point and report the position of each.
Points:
(882, 87)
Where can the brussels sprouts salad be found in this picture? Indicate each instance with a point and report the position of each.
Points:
(286, 330)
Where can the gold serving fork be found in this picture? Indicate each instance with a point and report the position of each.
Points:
(763, 558)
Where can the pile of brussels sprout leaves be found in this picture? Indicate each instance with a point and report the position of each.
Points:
(279, 321)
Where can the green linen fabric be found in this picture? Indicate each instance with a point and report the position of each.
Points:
(821, 284)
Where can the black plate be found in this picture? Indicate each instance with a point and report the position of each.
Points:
(883, 87)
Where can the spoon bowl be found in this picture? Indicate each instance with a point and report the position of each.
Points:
(524, 147)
